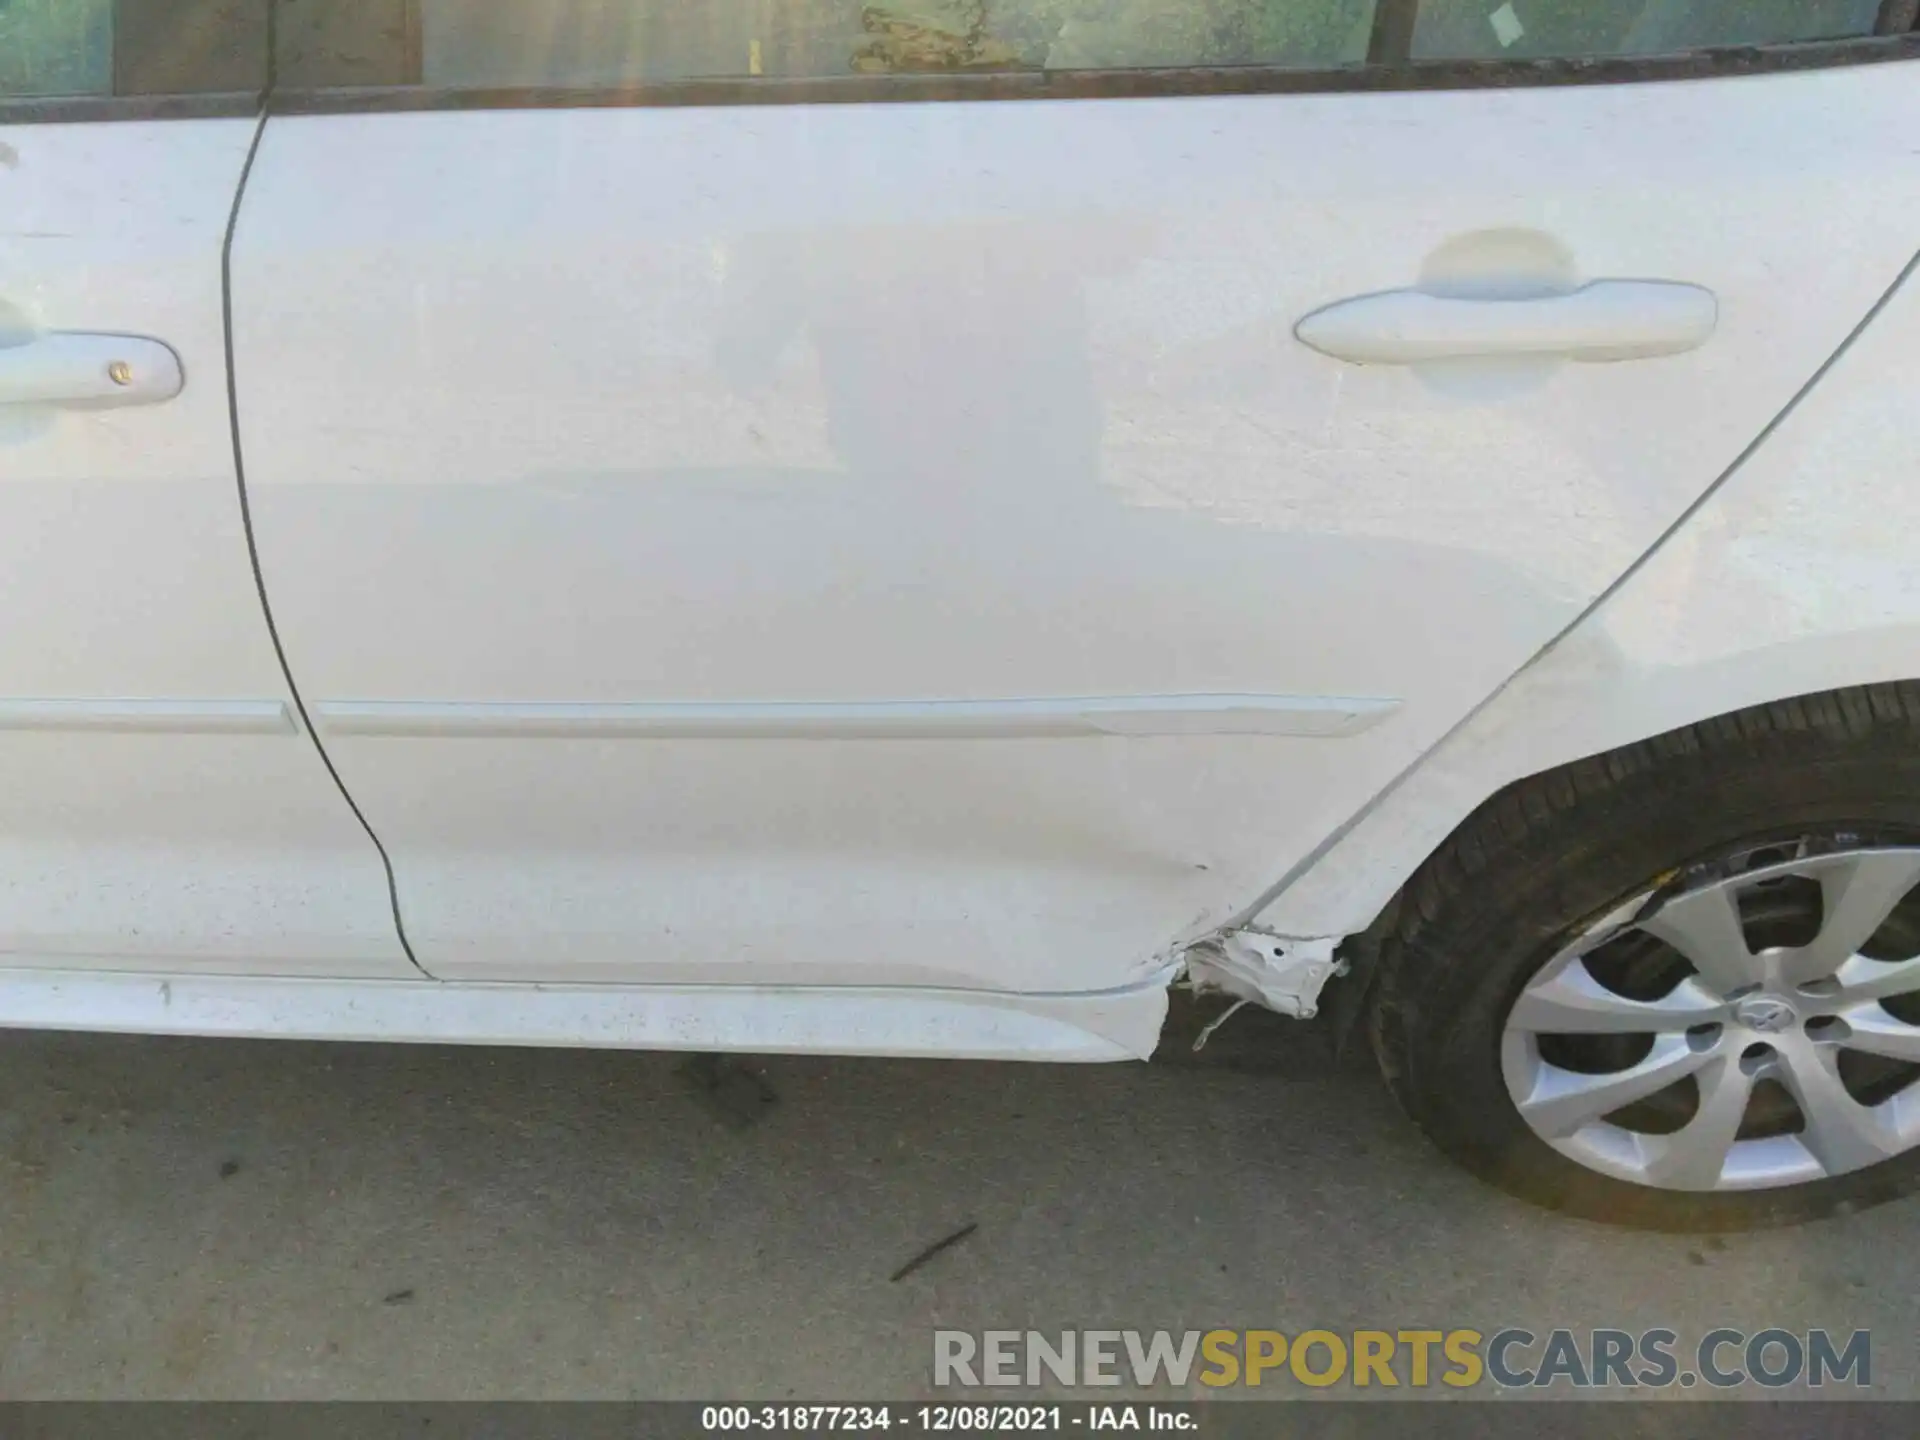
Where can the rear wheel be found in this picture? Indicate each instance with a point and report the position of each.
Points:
(1678, 985)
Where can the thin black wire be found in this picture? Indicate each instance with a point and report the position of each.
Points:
(253, 548)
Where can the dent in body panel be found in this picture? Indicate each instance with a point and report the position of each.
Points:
(919, 413)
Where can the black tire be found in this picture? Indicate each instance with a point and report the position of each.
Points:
(1536, 864)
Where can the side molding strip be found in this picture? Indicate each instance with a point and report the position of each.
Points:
(167, 717)
(1289, 715)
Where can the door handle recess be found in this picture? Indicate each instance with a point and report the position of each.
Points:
(89, 371)
(1605, 320)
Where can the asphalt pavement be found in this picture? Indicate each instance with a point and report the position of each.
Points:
(256, 1220)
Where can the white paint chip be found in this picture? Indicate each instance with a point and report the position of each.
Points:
(1506, 25)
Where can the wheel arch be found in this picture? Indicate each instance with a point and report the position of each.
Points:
(1842, 714)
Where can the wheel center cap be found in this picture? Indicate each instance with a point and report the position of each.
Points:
(1765, 1014)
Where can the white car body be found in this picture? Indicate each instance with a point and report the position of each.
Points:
(887, 577)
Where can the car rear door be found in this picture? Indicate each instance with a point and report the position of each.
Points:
(744, 508)
(161, 808)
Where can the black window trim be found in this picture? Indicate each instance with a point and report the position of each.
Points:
(84, 109)
(1391, 30)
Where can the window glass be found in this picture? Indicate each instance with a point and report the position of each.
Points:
(1519, 29)
(613, 42)
(323, 43)
(56, 48)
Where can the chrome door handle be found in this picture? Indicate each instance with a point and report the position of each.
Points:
(89, 371)
(1606, 320)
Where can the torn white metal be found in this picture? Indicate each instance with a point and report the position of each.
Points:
(1281, 972)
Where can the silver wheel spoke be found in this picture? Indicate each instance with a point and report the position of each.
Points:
(1784, 1015)
(1572, 1002)
(1878, 1033)
(1841, 1133)
(1564, 1100)
(1862, 979)
(1694, 1156)
(1705, 927)
(1858, 895)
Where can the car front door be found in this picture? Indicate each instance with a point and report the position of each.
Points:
(814, 493)
(161, 808)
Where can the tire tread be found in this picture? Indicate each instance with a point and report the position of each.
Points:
(1543, 814)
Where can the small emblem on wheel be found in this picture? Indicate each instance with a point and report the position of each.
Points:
(1765, 1014)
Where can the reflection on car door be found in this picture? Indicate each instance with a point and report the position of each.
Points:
(904, 543)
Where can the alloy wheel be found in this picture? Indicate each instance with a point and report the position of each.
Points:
(1748, 1024)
